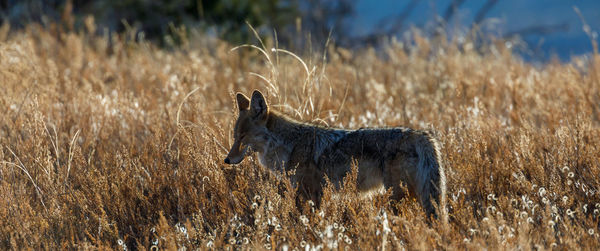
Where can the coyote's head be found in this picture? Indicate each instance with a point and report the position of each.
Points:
(250, 128)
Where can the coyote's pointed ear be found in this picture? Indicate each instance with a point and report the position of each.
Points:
(243, 101)
(258, 106)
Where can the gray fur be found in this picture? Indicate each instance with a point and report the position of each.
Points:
(389, 156)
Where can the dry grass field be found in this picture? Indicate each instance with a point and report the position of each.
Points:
(107, 143)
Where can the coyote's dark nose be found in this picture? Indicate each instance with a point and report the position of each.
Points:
(227, 161)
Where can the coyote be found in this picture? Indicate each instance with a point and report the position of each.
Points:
(389, 156)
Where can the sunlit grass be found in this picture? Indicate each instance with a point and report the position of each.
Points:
(120, 144)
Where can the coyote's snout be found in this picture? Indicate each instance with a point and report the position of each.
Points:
(390, 156)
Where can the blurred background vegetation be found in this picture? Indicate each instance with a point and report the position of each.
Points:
(166, 21)
(540, 28)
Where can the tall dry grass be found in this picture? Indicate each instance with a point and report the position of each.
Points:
(114, 144)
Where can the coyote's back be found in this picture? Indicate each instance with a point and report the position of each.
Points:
(394, 157)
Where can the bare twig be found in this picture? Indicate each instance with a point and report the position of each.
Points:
(483, 11)
(398, 24)
(452, 9)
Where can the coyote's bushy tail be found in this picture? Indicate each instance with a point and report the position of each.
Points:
(431, 177)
